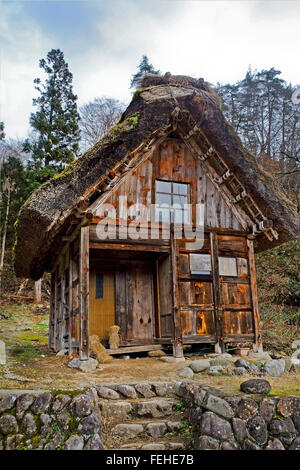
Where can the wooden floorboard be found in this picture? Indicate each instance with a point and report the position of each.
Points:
(134, 349)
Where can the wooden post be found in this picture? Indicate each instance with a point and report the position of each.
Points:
(84, 292)
(218, 312)
(70, 299)
(177, 341)
(257, 346)
(55, 310)
(38, 291)
(52, 307)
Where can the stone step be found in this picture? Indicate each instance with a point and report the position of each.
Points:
(127, 409)
(155, 445)
(136, 390)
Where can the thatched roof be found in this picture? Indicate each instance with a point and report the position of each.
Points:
(45, 215)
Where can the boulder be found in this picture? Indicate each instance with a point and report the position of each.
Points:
(87, 366)
(275, 367)
(256, 386)
(284, 429)
(82, 405)
(8, 424)
(257, 429)
(106, 392)
(246, 408)
(128, 430)
(94, 443)
(215, 370)
(172, 359)
(7, 403)
(259, 356)
(207, 443)
(251, 368)
(156, 429)
(218, 406)
(74, 442)
(267, 409)
(200, 365)
(186, 372)
(214, 426)
(289, 406)
(275, 444)
(239, 429)
(127, 391)
(145, 390)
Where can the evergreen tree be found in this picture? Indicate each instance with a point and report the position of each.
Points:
(2, 134)
(56, 122)
(144, 67)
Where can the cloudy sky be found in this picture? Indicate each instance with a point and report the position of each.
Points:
(103, 41)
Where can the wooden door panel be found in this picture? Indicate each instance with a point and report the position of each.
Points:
(165, 297)
(102, 310)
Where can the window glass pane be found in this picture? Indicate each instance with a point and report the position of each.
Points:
(200, 263)
(99, 286)
(162, 214)
(162, 198)
(180, 188)
(227, 266)
(163, 186)
(180, 200)
(178, 216)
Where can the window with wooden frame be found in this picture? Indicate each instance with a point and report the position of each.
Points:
(227, 266)
(99, 286)
(172, 199)
(200, 264)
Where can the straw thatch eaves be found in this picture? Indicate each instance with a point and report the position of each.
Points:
(164, 104)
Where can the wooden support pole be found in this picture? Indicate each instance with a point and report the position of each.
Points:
(38, 291)
(70, 301)
(257, 346)
(52, 307)
(177, 342)
(55, 310)
(218, 312)
(84, 292)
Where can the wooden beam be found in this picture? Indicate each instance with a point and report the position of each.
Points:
(177, 343)
(134, 349)
(218, 311)
(253, 286)
(84, 292)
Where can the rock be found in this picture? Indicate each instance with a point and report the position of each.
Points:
(225, 355)
(259, 356)
(246, 408)
(119, 409)
(218, 406)
(8, 424)
(215, 370)
(161, 389)
(153, 446)
(7, 403)
(186, 372)
(29, 425)
(296, 444)
(228, 446)
(24, 402)
(106, 392)
(94, 443)
(275, 444)
(296, 421)
(145, 390)
(200, 365)
(155, 409)
(127, 391)
(45, 421)
(90, 424)
(176, 446)
(239, 429)
(60, 402)
(55, 443)
(284, 429)
(174, 426)
(214, 426)
(249, 445)
(256, 386)
(251, 368)
(87, 366)
(288, 363)
(127, 430)
(156, 429)
(288, 406)
(207, 443)
(275, 367)
(156, 353)
(221, 361)
(257, 429)
(239, 371)
(63, 419)
(74, 442)
(41, 403)
(267, 409)
(62, 352)
(172, 359)
(2, 353)
(82, 406)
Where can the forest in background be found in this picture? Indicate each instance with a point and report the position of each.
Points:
(260, 109)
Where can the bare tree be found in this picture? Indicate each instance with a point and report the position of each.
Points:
(97, 118)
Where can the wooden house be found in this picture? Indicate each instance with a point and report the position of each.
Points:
(172, 147)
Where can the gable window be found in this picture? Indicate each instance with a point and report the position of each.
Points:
(172, 199)
(200, 264)
(227, 266)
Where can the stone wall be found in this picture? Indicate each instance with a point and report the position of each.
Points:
(49, 421)
(241, 422)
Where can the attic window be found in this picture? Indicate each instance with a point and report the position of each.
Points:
(200, 264)
(172, 199)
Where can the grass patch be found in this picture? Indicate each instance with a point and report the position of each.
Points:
(24, 352)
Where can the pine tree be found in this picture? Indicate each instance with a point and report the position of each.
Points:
(144, 67)
(56, 122)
